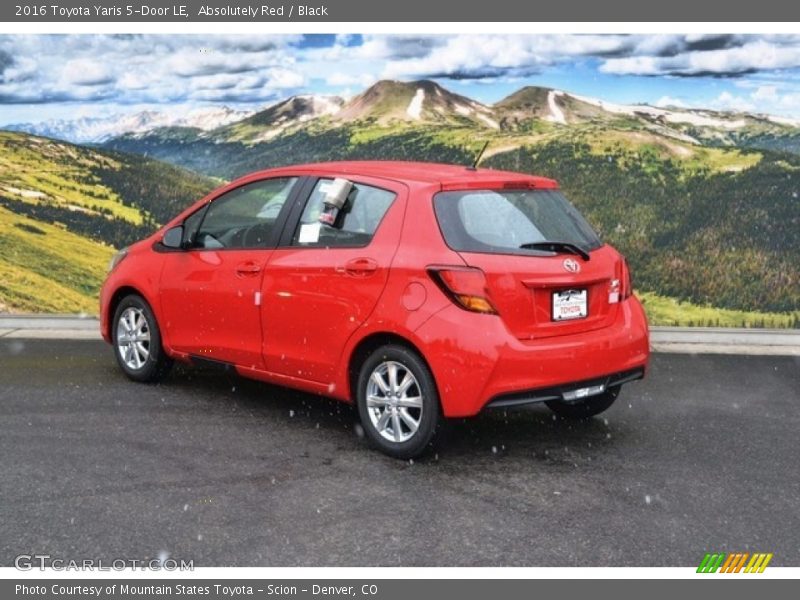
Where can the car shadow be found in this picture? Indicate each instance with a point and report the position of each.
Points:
(532, 431)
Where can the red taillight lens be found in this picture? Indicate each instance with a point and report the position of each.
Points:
(627, 280)
(466, 286)
(621, 287)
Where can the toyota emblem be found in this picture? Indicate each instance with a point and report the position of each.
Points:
(571, 265)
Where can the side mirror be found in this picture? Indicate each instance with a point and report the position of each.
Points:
(173, 238)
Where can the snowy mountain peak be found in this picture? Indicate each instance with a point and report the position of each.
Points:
(99, 129)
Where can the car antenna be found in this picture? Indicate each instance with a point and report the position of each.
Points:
(478, 158)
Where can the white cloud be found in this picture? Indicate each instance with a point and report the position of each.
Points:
(731, 102)
(279, 78)
(489, 56)
(344, 39)
(348, 79)
(667, 101)
(169, 69)
(753, 54)
(84, 71)
(147, 69)
(768, 93)
(763, 99)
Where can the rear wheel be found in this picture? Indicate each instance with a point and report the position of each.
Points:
(398, 402)
(584, 409)
(137, 341)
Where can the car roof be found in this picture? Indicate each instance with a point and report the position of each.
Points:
(449, 176)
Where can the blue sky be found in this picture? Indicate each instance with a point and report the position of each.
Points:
(68, 76)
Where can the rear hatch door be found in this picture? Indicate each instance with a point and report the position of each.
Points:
(538, 296)
(538, 291)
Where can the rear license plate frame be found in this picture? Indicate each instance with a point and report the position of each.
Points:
(569, 305)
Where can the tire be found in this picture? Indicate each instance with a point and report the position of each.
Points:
(403, 426)
(584, 409)
(137, 341)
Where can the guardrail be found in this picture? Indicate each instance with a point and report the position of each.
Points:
(721, 340)
(681, 340)
(65, 327)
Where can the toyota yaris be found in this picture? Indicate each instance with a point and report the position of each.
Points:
(417, 291)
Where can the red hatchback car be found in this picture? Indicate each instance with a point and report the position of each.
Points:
(417, 291)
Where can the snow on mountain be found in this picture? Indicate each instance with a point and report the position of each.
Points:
(277, 118)
(389, 101)
(556, 114)
(99, 129)
(414, 109)
(212, 117)
(784, 121)
(692, 117)
(325, 105)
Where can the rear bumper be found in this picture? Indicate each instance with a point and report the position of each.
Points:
(484, 364)
(563, 392)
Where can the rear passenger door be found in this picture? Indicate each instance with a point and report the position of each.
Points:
(323, 282)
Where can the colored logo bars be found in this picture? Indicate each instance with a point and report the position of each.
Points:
(734, 562)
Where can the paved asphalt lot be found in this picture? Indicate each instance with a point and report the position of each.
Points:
(702, 456)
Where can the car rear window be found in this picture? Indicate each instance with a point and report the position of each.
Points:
(500, 221)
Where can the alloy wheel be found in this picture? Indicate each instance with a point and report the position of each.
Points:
(133, 338)
(394, 401)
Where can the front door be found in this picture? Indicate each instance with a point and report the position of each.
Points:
(211, 293)
(323, 282)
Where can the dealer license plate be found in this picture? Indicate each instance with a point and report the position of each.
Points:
(569, 304)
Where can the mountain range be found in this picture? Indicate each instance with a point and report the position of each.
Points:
(99, 129)
(704, 203)
(425, 101)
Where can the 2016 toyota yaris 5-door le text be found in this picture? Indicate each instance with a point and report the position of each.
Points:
(418, 291)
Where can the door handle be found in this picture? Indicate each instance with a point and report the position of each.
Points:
(248, 268)
(359, 267)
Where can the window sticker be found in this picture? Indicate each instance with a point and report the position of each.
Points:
(309, 233)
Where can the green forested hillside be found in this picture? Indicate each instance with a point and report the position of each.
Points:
(63, 210)
(364, 140)
(729, 239)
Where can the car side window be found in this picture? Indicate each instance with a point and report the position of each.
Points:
(244, 217)
(191, 223)
(356, 224)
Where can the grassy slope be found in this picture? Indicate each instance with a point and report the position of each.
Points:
(662, 310)
(44, 268)
(63, 209)
(38, 170)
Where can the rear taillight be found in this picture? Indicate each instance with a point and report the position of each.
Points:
(621, 288)
(627, 280)
(466, 286)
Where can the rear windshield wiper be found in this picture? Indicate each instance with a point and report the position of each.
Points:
(557, 247)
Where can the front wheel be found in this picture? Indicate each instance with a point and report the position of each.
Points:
(137, 341)
(398, 402)
(584, 409)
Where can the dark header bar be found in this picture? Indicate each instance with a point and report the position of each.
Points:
(362, 11)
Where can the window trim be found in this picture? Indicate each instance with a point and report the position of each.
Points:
(293, 221)
(280, 221)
